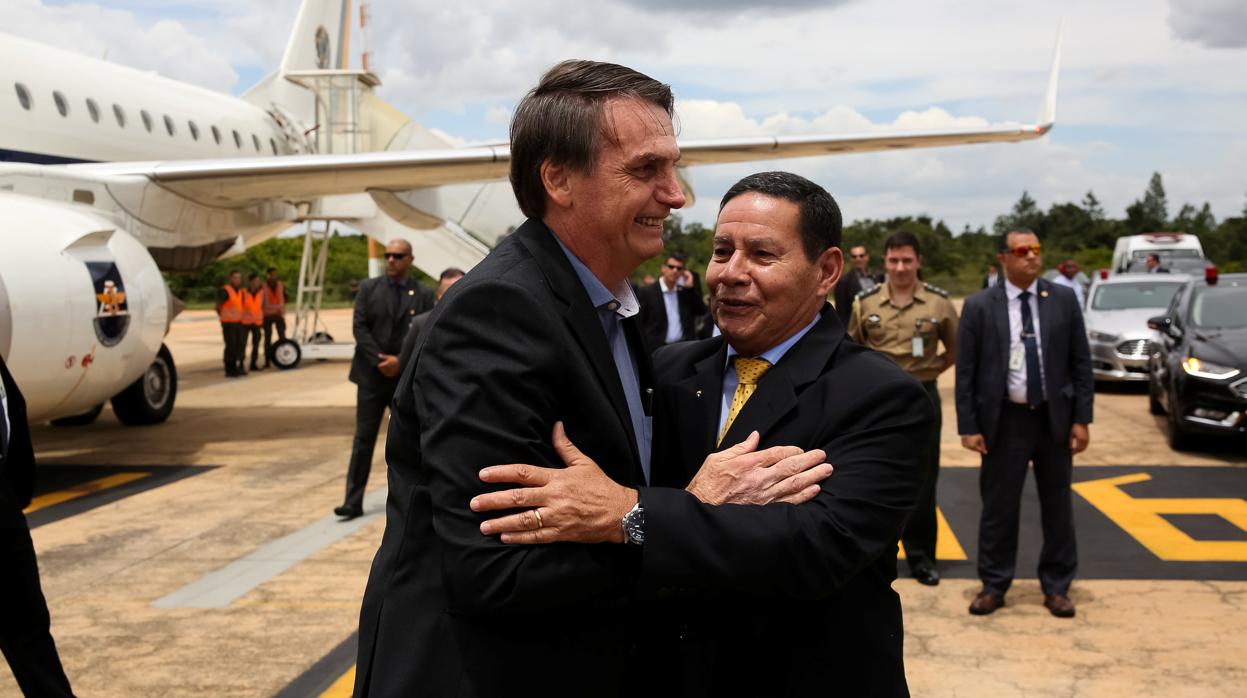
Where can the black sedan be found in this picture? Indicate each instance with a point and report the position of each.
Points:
(1199, 366)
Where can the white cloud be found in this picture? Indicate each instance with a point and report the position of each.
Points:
(1212, 23)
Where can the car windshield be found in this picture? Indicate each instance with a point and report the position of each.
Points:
(1143, 294)
(1185, 260)
(1220, 307)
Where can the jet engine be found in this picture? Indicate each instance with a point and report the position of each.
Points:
(83, 314)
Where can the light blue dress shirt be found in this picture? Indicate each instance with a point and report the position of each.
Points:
(671, 299)
(613, 308)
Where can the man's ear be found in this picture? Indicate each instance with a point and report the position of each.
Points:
(830, 267)
(557, 181)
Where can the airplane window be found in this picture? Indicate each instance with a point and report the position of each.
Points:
(237, 140)
(194, 129)
(169, 125)
(147, 120)
(23, 95)
(256, 141)
(273, 144)
(120, 115)
(216, 135)
(61, 105)
(93, 109)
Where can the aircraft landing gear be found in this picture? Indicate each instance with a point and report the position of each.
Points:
(149, 400)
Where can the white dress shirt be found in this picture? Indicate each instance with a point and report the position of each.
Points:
(1017, 376)
(4, 414)
(670, 298)
(1081, 295)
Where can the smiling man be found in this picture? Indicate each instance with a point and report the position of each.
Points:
(799, 586)
(542, 330)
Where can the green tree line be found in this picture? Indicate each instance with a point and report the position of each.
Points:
(958, 262)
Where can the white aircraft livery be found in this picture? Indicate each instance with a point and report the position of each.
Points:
(110, 175)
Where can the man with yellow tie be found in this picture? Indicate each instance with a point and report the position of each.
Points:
(802, 591)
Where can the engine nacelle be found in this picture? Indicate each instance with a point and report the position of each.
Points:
(83, 307)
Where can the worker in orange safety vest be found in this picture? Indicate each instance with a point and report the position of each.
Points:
(274, 313)
(253, 318)
(229, 308)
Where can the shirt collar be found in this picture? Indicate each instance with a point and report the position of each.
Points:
(397, 284)
(1013, 291)
(662, 285)
(622, 301)
(775, 353)
(919, 296)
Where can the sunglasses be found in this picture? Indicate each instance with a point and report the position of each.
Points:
(858, 256)
(674, 267)
(396, 255)
(1024, 250)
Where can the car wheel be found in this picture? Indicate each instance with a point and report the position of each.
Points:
(1153, 397)
(1179, 438)
(149, 400)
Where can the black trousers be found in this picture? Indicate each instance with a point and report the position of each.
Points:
(271, 322)
(25, 626)
(1023, 437)
(235, 334)
(920, 531)
(370, 404)
(254, 332)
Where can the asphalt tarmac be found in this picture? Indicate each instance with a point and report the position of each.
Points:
(201, 557)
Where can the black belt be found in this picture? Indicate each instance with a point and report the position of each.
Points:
(1023, 407)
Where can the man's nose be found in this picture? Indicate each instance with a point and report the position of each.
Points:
(670, 192)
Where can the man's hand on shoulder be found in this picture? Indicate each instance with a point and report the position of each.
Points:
(743, 475)
(576, 504)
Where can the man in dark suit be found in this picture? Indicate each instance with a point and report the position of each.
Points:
(447, 279)
(1024, 395)
(384, 308)
(672, 309)
(542, 330)
(856, 279)
(25, 626)
(805, 590)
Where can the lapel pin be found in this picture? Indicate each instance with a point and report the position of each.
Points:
(1043, 294)
(412, 293)
(698, 393)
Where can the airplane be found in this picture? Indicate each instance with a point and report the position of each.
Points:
(110, 176)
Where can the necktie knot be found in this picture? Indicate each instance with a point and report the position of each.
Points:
(1024, 296)
(750, 371)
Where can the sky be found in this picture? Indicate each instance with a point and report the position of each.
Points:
(1145, 85)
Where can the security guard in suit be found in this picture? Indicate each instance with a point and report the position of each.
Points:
(384, 309)
(907, 319)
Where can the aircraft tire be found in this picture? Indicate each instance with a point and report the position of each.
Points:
(149, 400)
(80, 420)
(286, 354)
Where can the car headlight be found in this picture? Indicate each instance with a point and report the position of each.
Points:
(1102, 336)
(1206, 369)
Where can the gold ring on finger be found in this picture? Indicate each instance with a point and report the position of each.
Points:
(537, 513)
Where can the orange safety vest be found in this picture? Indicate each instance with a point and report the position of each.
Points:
(252, 310)
(231, 309)
(274, 301)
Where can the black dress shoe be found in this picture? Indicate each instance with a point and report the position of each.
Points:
(927, 576)
(347, 513)
(986, 603)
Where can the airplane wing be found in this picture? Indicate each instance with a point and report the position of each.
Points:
(244, 181)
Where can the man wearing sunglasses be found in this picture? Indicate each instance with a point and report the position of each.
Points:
(856, 279)
(384, 309)
(1024, 395)
(672, 307)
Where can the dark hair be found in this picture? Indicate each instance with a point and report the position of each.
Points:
(253, 277)
(235, 271)
(902, 238)
(821, 223)
(679, 255)
(560, 120)
(450, 273)
(1153, 255)
(270, 270)
(1002, 242)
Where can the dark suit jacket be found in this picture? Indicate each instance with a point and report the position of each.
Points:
(381, 322)
(846, 290)
(654, 312)
(409, 341)
(983, 358)
(509, 350)
(17, 469)
(803, 591)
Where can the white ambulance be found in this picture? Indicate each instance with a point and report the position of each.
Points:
(1178, 252)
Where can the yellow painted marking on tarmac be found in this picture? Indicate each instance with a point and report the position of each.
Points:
(343, 687)
(53, 498)
(1141, 518)
(947, 547)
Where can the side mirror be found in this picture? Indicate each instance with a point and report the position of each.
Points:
(1164, 324)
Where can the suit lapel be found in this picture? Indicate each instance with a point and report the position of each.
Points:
(1045, 316)
(581, 318)
(777, 391)
(698, 403)
(1000, 318)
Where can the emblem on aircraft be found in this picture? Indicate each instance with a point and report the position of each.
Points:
(322, 48)
(112, 315)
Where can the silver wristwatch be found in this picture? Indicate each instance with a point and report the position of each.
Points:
(634, 525)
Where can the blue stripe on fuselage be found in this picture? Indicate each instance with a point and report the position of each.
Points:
(36, 158)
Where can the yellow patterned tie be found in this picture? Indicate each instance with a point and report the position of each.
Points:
(748, 372)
